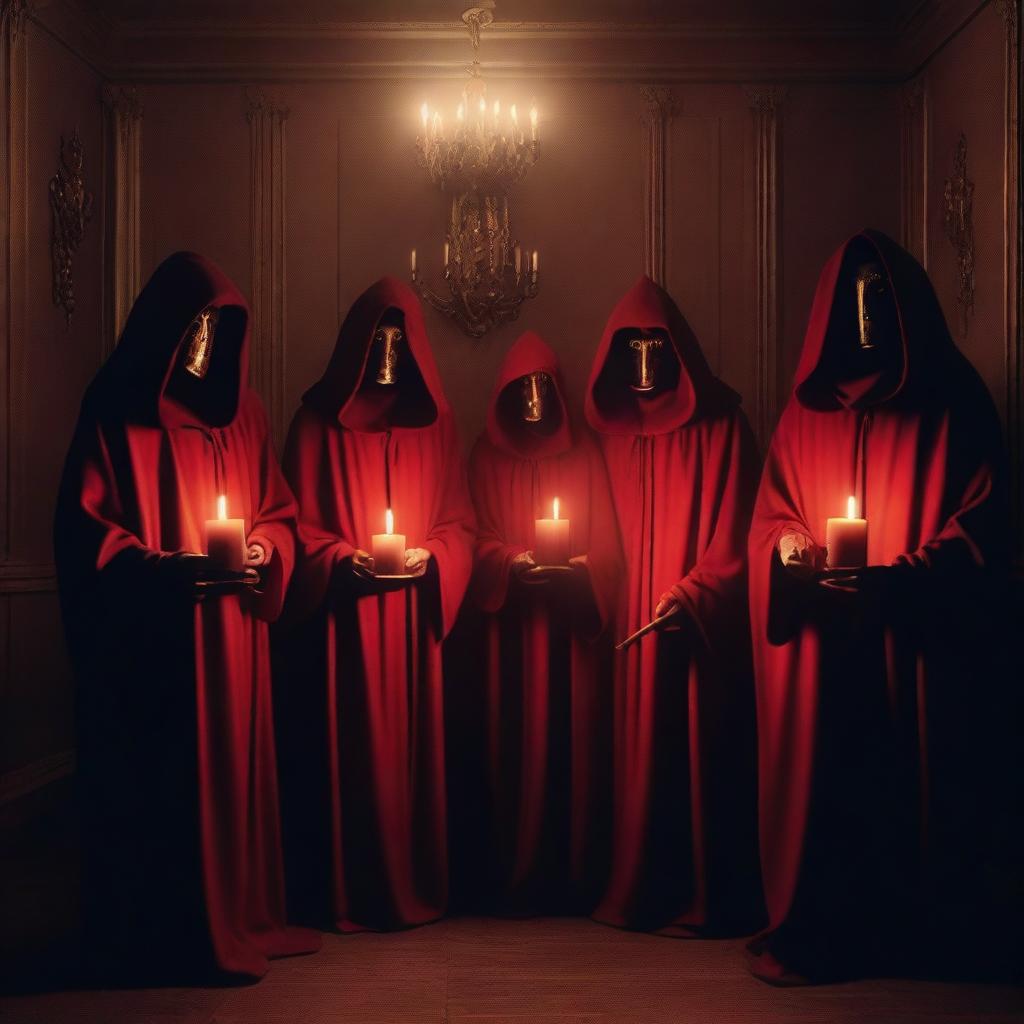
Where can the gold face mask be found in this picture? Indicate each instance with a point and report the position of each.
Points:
(535, 389)
(389, 337)
(645, 362)
(200, 345)
(870, 292)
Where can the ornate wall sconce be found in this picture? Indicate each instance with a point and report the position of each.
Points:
(959, 217)
(71, 208)
(489, 273)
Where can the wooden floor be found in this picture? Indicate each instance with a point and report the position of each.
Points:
(529, 972)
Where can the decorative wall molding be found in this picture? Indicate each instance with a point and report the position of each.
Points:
(267, 117)
(13, 251)
(764, 104)
(70, 211)
(660, 107)
(914, 169)
(22, 781)
(1010, 10)
(124, 135)
(958, 217)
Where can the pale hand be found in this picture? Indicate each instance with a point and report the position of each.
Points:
(362, 563)
(256, 555)
(580, 563)
(416, 560)
(799, 554)
(523, 563)
(668, 606)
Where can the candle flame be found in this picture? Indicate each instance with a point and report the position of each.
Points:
(555, 509)
(851, 507)
(533, 116)
(515, 119)
(425, 114)
(389, 521)
(460, 113)
(222, 506)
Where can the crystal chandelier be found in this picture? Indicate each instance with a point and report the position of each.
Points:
(489, 273)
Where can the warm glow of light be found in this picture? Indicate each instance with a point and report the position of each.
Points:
(222, 507)
(533, 116)
(389, 521)
(483, 105)
(461, 112)
(851, 507)
(437, 124)
(412, 261)
(514, 116)
(554, 509)
(497, 110)
(425, 114)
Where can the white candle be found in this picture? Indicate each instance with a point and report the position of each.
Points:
(446, 252)
(388, 549)
(534, 263)
(551, 539)
(519, 261)
(846, 539)
(225, 539)
(412, 261)
(533, 123)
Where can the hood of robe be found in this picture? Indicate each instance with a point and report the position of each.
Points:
(144, 379)
(612, 407)
(348, 390)
(506, 428)
(825, 378)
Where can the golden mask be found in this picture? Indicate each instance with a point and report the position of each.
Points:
(535, 388)
(646, 360)
(870, 289)
(200, 345)
(389, 337)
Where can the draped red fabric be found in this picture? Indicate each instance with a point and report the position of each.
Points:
(868, 703)
(182, 853)
(546, 663)
(683, 469)
(374, 659)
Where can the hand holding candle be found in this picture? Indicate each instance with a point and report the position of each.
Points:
(551, 539)
(846, 539)
(225, 539)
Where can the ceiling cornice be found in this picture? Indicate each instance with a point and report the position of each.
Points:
(201, 50)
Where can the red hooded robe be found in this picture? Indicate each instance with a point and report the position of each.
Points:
(548, 652)
(182, 854)
(868, 704)
(352, 452)
(683, 471)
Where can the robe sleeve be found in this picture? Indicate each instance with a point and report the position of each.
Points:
(973, 535)
(274, 521)
(493, 554)
(307, 463)
(714, 590)
(604, 554)
(450, 539)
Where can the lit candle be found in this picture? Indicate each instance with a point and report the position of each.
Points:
(460, 114)
(533, 123)
(514, 116)
(446, 252)
(225, 539)
(388, 549)
(519, 261)
(437, 126)
(412, 261)
(425, 115)
(534, 263)
(846, 540)
(551, 539)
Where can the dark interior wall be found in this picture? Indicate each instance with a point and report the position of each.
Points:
(304, 209)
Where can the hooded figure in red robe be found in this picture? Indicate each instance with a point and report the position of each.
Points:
(548, 650)
(871, 686)
(182, 863)
(683, 470)
(376, 433)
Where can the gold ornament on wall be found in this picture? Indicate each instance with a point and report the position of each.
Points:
(71, 209)
(959, 217)
(485, 152)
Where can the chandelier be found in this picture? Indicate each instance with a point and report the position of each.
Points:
(476, 160)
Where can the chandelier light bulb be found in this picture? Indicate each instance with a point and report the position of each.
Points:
(425, 115)
(460, 114)
(512, 114)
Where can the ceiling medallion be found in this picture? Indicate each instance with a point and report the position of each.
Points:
(475, 160)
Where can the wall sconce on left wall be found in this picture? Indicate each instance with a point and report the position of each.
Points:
(71, 209)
